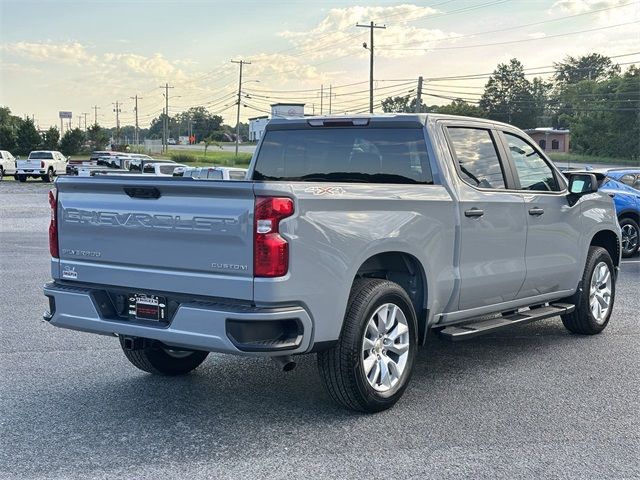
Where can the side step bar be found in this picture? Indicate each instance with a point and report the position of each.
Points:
(456, 333)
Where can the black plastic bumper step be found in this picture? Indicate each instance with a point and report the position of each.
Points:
(455, 333)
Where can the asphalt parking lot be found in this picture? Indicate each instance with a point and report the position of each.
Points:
(536, 402)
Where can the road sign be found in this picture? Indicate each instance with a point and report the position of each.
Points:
(65, 115)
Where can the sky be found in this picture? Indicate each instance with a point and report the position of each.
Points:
(74, 55)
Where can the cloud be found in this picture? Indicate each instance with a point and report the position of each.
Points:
(537, 35)
(581, 6)
(72, 53)
(155, 66)
(337, 34)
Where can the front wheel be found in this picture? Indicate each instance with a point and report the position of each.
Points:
(594, 303)
(630, 237)
(1, 173)
(370, 367)
(164, 361)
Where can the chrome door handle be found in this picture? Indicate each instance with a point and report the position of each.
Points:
(473, 212)
(536, 211)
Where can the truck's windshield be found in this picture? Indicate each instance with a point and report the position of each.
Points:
(368, 155)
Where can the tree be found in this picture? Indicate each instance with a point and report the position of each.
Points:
(202, 123)
(28, 138)
(97, 136)
(7, 138)
(460, 107)
(72, 141)
(51, 139)
(594, 67)
(398, 104)
(507, 96)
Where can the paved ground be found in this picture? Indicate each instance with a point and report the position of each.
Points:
(537, 403)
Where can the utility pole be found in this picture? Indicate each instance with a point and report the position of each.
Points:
(117, 110)
(165, 130)
(137, 135)
(95, 114)
(371, 27)
(85, 120)
(419, 95)
(321, 99)
(241, 63)
(79, 121)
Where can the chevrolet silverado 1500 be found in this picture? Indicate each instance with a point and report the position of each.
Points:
(351, 238)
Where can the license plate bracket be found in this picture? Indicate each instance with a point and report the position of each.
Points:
(143, 306)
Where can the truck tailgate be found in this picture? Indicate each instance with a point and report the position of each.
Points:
(160, 234)
(29, 164)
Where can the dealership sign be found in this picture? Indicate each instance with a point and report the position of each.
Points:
(65, 115)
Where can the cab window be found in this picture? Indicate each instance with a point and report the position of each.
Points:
(477, 157)
(532, 170)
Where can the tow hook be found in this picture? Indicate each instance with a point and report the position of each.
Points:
(285, 362)
(133, 343)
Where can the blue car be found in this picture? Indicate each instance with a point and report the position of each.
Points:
(624, 186)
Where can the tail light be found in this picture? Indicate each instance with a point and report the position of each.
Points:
(271, 251)
(53, 225)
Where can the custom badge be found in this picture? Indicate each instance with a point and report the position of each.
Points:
(69, 273)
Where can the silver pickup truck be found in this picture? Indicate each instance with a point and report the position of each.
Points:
(352, 239)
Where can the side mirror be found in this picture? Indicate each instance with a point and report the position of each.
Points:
(582, 183)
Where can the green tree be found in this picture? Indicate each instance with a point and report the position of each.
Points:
(398, 104)
(594, 67)
(28, 138)
(508, 96)
(97, 137)
(51, 139)
(7, 138)
(72, 141)
(460, 107)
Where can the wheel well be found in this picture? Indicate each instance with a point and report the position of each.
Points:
(609, 241)
(406, 271)
(632, 215)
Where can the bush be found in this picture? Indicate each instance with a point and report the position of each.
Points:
(181, 157)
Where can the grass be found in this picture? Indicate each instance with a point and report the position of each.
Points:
(580, 158)
(216, 158)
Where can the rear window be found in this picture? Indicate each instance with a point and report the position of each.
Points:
(167, 169)
(41, 155)
(369, 155)
(236, 175)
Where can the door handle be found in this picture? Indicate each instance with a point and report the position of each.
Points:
(473, 212)
(536, 211)
(612, 195)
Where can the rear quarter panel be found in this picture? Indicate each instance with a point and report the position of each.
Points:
(337, 227)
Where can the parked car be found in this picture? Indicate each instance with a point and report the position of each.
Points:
(352, 239)
(215, 173)
(7, 164)
(137, 162)
(44, 164)
(624, 186)
(105, 164)
(171, 141)
(161, 168)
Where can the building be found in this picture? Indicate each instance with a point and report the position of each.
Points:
(278, 110)
(550, 139)
(256, 127)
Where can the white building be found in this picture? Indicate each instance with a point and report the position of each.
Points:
(278, 110)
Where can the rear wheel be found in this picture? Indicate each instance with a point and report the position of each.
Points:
(1, 173)
(370, 367)
(630, 237)
(22, 178)
(164, 361)
(48, 177)
(594, 303)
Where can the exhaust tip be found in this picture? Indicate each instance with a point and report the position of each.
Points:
(286, 363)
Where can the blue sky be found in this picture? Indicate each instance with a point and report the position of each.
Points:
(70, 55)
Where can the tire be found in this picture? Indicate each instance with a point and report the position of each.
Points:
(161, 361)
(22, 178)
(583, 320)
(630, 237)
(343, 366)
(1, 173)
(48, 177)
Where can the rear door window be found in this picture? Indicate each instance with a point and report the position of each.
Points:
(477, 157)
(366, 155)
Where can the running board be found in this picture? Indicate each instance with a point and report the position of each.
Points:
(456, 333)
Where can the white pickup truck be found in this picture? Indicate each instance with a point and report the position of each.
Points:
(44, 164)
(7, 164)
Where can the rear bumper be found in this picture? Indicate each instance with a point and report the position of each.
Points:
(199, 326)
(31, 171)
